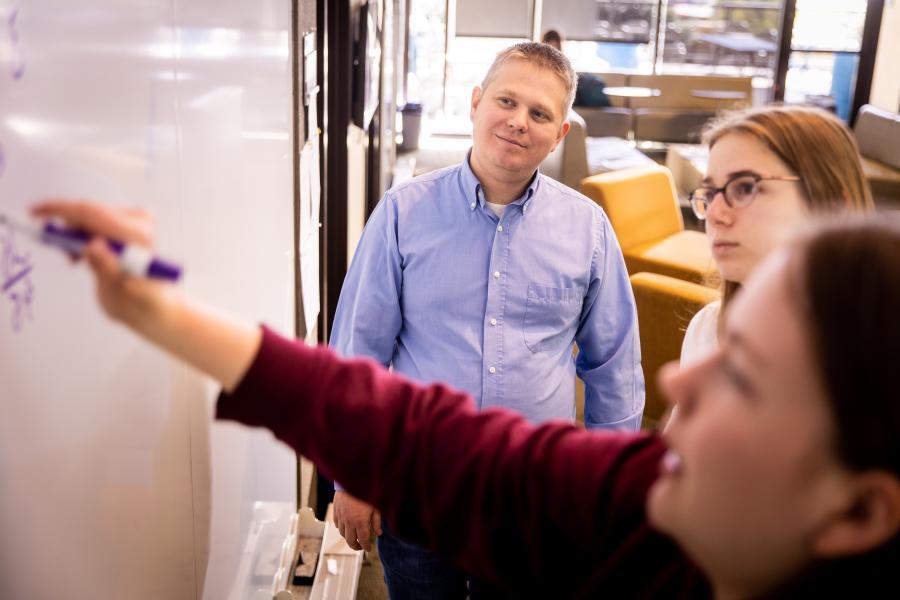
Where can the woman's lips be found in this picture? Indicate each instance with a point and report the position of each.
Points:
(671, 463)
(723, 247)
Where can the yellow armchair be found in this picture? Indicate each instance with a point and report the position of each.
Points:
(665, 306)
(642, 207)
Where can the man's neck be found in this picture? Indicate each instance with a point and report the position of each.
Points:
(499, 190)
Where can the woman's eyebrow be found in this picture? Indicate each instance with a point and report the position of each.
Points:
(733, 174)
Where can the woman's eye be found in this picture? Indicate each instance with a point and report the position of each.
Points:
(745, 188)
(735, 377)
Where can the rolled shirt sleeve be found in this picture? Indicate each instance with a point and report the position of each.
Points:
(609, 356)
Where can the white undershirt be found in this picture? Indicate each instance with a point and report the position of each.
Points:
(497, 209)
(701, 338)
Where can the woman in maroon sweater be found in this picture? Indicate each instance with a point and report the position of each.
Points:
(781, 477)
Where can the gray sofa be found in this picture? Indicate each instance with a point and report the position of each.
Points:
(877, 132)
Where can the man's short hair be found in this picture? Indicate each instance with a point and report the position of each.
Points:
(539, 55)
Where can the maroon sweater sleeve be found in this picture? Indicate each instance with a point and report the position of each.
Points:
(553, 507)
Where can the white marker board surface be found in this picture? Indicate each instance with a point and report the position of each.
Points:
(114, 481)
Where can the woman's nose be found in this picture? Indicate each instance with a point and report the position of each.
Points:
(718, 210)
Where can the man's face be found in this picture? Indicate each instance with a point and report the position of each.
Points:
(518, 120)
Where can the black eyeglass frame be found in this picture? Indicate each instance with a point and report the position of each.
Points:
(712, 192)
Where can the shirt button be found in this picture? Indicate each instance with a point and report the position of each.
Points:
(499, 227)
(492, 370)
(472, 205)
(496, 274)
(493, 321)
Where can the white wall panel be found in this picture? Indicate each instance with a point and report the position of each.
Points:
(114, 482)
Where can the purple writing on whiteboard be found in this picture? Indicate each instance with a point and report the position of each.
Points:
(17, 63)
(16, 285)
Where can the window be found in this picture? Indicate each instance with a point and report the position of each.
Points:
(826, 78)
(723, 37)
(425, 80)
(633, 22)
(468, 60)
(594, 57)
(829, 25)
(605, 35)
(825, 52)
(826, 55)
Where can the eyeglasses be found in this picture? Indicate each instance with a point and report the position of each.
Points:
(738, 192)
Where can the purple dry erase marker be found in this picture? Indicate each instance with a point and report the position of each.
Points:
(135, 260)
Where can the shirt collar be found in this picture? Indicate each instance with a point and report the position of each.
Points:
(475, 196)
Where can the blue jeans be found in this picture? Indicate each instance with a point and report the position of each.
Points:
(413, 573)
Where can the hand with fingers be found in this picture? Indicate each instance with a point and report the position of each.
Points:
(356, 520)
(125, 298)
(216, 343)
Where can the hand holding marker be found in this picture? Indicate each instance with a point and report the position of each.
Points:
(133, 259)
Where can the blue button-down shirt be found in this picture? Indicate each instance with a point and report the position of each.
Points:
(441, 289)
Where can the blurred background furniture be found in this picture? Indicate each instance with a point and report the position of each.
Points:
(720, 95)
(669, 125)
(665, 306)
(687, 162)
(568, 164)
(642, 207)
(607, 121)
(677, 113)
(628, 93)
(606, 154)
(579, 156)
(877, 132)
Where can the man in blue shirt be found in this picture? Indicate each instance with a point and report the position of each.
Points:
(483, 275)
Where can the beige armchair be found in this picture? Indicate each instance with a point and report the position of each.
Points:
(568, 164)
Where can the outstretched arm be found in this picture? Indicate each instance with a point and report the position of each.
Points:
(490, 492)
(504, 500)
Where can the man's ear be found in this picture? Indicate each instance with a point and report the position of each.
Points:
(562, 133)
(871, 519)
(476, 98)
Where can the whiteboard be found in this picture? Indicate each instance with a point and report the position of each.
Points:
(114, 481)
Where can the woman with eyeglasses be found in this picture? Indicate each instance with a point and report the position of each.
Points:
(779, 479)
(769, 170)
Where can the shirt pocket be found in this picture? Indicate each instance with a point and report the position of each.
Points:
(551, 317)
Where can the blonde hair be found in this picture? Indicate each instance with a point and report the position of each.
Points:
(815, 145)
(543, 56)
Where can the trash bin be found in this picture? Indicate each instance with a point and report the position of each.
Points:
(412, 124)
